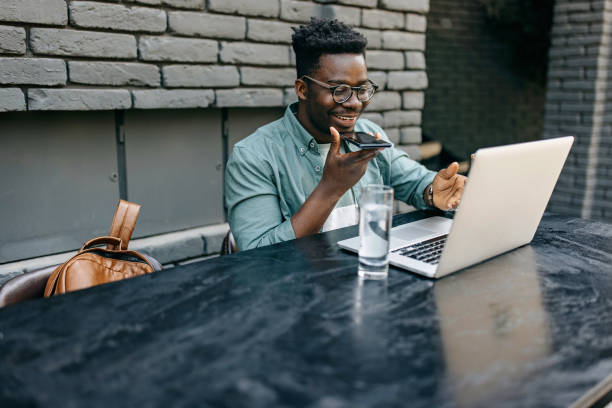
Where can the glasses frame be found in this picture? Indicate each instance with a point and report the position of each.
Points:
(332, 89)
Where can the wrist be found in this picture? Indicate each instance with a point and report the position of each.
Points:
(428, 196)
(330, 190)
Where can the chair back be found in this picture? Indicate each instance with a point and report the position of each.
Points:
(229, 244)
(30, 285)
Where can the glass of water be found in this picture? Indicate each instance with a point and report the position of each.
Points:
(375, 208)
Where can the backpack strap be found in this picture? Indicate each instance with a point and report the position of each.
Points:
(124, 222)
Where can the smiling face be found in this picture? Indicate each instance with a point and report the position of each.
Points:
(317, 110)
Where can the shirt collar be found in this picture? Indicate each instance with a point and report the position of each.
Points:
(301, 138)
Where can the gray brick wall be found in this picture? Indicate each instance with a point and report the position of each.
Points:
(155, 54)
(578, 104)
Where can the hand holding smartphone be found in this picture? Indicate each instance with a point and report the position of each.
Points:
(364, 140)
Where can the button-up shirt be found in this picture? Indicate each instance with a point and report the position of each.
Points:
(271, 173)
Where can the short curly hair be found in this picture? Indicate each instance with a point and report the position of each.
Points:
(323, 36)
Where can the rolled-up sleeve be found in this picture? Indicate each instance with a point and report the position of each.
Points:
(252, 200)
(409, 178)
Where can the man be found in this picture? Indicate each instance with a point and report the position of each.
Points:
(295, 177)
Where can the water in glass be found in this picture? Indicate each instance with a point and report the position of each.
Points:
(374, 230)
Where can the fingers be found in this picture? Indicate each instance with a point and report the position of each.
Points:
(450, 171)
(335, 144)
(456, 192)
(360, 156)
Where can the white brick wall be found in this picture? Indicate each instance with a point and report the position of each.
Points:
(153, 54)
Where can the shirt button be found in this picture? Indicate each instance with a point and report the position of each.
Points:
(302, 150)
(317, 168)
(311, 145)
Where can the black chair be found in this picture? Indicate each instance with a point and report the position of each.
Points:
(229, 244)
(31, 285)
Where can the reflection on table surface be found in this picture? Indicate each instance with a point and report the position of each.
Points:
(491, 327)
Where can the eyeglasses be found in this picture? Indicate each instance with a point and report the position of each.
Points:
(342, 93)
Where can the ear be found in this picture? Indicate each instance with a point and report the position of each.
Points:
(301, 89)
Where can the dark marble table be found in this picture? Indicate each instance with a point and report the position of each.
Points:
(293, 325)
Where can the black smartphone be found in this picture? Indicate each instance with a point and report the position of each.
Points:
(364, 140)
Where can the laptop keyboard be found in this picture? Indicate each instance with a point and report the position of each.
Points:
(425, 251)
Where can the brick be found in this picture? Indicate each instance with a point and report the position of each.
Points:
(302, 11)
(574, 6)
(256, 54)
(558, 41)
(584, 62)
(249, 97)
(566, 73)
(89, 14)
(407, 80)
(379, 78)
(269, 31)
(113, 73)
(359, 3)
(207, 25)
(397, 40)
(580, 84)
(53, 41)
(187, 4)
(149, 2)
(415, 60)
(200, 76)
(375, 117)
(566, 51)
(382, 19)
(416, 23)
(12, 40)
(398, 118)
(393, 134)
(177, 49)
(32, 71)
(289, 96)
(12, 99)
(412, 151)
(564, 29)
(267, 76)
(595, 17)
(411, 135)
(374, 37)
(419, 6)
(52, 12)
(259, 8)
(78, 99)
(385, 59)
(298, 10)
(172, 99)
(584, 40)
(385, 100)
(413, 100)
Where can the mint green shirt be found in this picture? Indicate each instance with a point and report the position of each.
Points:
(271, 173)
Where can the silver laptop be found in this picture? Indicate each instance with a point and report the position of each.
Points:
(502, 204)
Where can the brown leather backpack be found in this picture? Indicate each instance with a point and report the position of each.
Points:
(94, 265)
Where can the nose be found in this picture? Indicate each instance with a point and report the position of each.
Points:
(353, 102)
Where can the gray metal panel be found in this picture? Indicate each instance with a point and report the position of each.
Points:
(243, 122)
(56, 189)
(174, 168)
